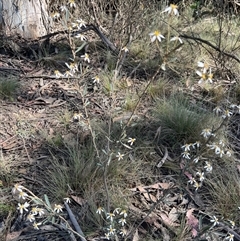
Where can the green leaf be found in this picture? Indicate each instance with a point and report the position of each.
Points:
(81, 47)
(47, 201)
(37, 201)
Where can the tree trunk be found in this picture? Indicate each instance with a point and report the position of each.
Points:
(27, 18)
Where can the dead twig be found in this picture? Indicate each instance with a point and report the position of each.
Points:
(161, 162)
(26, 150)
(74, 222)
(232, 56)
(88, 27)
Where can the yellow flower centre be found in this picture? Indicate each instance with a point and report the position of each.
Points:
(156, 33)
(34, 209)
(72, 66)
(210, 76)
(173, 6)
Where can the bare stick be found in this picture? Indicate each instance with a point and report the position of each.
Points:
(211, 45)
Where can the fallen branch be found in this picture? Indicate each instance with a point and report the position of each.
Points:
(161, 162)
(74, 222)
(88, 27)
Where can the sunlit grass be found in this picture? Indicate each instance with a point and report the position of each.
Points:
(160, 89)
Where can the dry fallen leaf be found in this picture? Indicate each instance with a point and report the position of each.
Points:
(192, 222)
(161, 185)
(78, 200)
(137, 210)
(43, 100)
(136, 236)
(173, 215)
(166, 220)
(149, 197)
(158, 185)
(14, 235)
(238, 168)
(165, 233)
(184, 201)
(189, 175)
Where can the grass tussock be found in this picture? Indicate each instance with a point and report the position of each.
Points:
(7, 174)
(181, 121)
(8, 88)
(224, 192)
(160, 89)
(79, 168)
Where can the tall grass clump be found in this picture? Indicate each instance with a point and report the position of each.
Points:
(8, 88)
(7, 174)
(97, 176)
(224, 191)
(84, 170)
(74, 167)
(181, 121)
